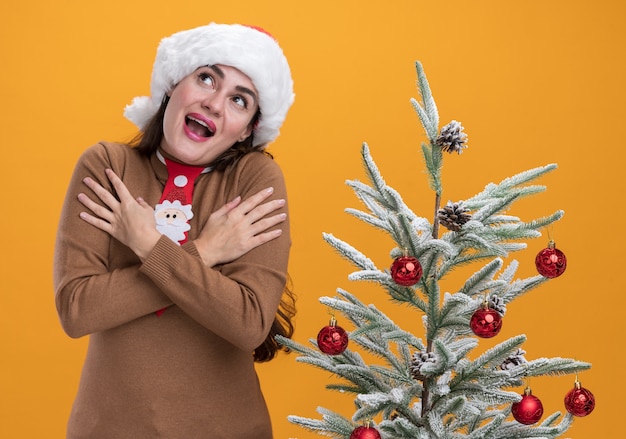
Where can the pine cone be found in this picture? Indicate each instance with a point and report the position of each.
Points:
(453, 216)
(514, 360)
(497, 303)
(452, 138)
(418, 360)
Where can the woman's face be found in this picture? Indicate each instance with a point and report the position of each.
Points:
(208, 112)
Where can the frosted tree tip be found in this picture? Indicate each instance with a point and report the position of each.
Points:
(452, 138)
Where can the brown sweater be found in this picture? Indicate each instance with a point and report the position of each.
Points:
(188, 373)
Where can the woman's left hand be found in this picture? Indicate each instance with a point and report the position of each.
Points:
(129, 220)
(238, 227)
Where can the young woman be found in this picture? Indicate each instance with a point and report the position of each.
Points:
(172, 252)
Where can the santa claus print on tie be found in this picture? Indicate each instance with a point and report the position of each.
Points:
(172, 219)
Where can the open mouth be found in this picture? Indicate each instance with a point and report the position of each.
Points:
(199, 127)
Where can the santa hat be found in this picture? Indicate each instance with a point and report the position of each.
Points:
(250, 50)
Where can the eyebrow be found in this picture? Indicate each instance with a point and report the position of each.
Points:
(219, 72)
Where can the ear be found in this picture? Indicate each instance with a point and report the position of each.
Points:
(246, 133)
(244, 136)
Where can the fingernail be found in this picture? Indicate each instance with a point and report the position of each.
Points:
(281, 202)
(269, 190)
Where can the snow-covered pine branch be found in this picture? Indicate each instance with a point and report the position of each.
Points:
(360, 315)
(350, 253)
(509, 187)
(331, 424)
(549, 367)
(515, 430)
(427, 111)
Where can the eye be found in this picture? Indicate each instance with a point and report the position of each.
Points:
(206, 78)
(241, 101)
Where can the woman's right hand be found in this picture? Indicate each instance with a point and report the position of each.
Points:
(129, 220)
(238, 227)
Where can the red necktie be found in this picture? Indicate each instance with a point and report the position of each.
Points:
(174, 209)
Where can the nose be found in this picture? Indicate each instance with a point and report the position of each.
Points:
(214, 102)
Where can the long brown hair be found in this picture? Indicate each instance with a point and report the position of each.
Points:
(147, 142)
(282, 325)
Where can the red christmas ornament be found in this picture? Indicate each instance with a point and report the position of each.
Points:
(332, 339)
(486, 322)
(529, 410)
(551, 262)
(406, 271)
(365, 433)
(579, 401)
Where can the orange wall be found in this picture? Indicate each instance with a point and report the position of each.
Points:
(533, 82)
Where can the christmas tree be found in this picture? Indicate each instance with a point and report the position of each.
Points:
(434, 384)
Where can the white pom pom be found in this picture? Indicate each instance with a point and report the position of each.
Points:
(140, 111)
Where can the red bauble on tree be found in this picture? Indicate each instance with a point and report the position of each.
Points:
(406, 271)
(486, 322)
(332, 339)
(551, 262)
(579, 401)
(529, 410)
(365, 433)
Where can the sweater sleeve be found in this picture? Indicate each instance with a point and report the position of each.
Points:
(238, 300)
(91, 295)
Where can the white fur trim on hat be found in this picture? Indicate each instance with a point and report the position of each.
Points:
(248, 49)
